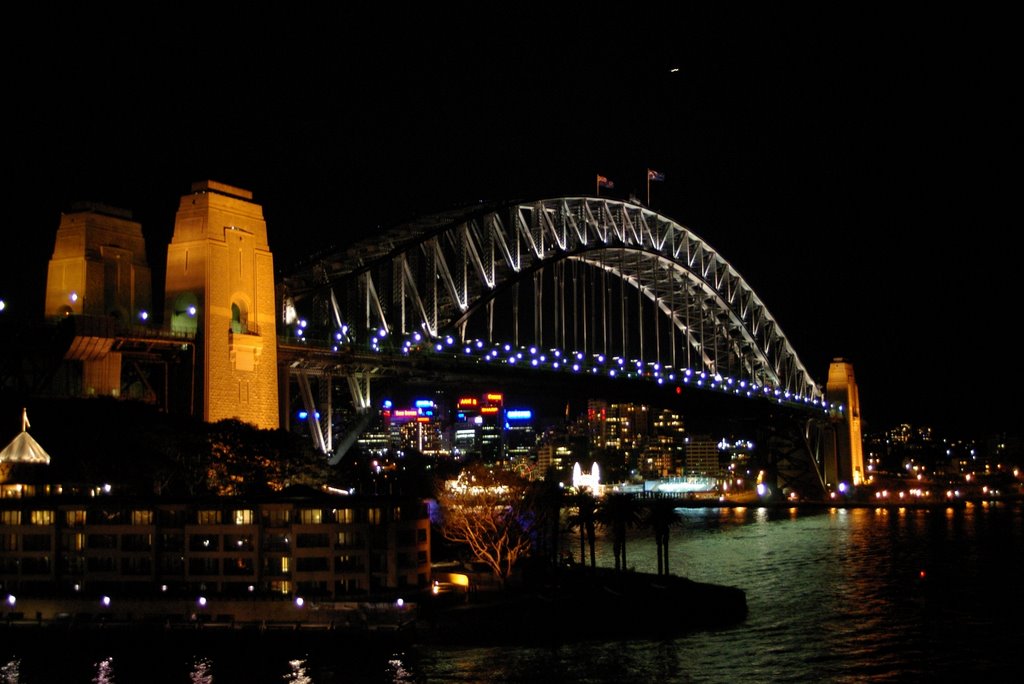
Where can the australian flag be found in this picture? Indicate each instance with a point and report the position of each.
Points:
(654, 175)
(603, 182)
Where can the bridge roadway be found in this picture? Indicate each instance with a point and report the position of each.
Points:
(787, 430)
(476, 367)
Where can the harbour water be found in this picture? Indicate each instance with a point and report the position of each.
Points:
(834, 595)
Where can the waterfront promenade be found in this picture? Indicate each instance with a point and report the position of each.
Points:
(568, 602)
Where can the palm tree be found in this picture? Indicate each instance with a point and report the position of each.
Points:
(547, 507)
(585, 518)
(662, 515)
(619, 512)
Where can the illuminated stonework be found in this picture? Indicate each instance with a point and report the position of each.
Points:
(98, 270)
(220, 286)
(98, 267)
(847, 466)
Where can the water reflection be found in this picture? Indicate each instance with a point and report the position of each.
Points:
(104, 672)
(200, 673)
(298, 674)
(864, 595)
(397, 671)
(9, 672)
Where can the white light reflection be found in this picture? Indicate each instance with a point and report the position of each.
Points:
(298, 674)
(200, 673)
(104, 672)
(11, 672)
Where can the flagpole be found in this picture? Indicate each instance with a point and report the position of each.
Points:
(648, 188)
(597, 183)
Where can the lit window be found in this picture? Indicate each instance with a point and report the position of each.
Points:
(74, 518)
(209, 517)
(142, 517)
(242, 517)
(42, 517)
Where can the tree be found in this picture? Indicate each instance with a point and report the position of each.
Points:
(242, 459)
(619, 512)
(661, 516)
(547, 500)
(585, 518)
(491, 513)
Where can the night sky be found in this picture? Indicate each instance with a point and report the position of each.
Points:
(856, 169)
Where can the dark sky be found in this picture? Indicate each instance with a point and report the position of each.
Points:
(856, 168)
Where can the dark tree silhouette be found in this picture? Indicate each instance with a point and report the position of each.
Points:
(547, 503)
(661, 516)
(585, 519)
(619, 512)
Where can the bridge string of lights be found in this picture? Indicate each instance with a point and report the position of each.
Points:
(573, 362)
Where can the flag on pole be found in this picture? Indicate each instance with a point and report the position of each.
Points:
(603, 182)
(654, 175)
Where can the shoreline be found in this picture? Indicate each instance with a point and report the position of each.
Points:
(576, 603)
(819, 505)
(555, 605)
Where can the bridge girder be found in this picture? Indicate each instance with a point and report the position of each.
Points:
(464, 271)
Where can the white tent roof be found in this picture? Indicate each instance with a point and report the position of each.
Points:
(24, 449)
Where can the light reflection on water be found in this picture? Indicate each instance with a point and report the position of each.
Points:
(858, 595)
(298, 673)
(104, 672)
(9, 672)
(201, 672)
(840, 595)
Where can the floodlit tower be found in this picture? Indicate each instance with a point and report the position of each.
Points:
(98, 267)
(98, 270)
(220, 287)
(846, 465)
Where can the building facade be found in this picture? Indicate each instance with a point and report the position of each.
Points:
(315, 545)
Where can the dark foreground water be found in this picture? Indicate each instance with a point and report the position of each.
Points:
(859, 595)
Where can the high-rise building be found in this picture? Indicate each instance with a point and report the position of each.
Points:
(702, 456)
(597, 423)
(520, 438)
(556, 456)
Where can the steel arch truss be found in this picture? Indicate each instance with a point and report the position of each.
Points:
(589, 275)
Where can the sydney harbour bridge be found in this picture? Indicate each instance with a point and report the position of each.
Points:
(582, 297)
(572, 292)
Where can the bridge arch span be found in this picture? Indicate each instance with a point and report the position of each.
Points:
(590, 276)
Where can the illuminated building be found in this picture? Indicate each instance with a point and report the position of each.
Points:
(552, 456)
(220, 288)
(376, 439)
(315, 545)
(419, 428)
(520, 438)
(702, 456)
(664, 452)
(492, 434)
(597, 427)
(465, 429)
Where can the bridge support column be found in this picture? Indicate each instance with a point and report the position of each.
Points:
(319, 440)
(847, 455)
(359, 388)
